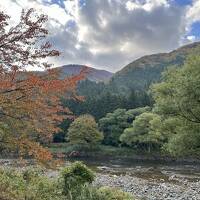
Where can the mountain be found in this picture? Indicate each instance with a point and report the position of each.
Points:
(93, 74)
(139, 74)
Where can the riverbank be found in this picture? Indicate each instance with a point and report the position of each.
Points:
(150, 180)
(107, 152)
(176, 188)
(146, 182)
(65, 151)
(152, 190)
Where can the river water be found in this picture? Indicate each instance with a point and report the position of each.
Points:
(148, 180)
(150, 170)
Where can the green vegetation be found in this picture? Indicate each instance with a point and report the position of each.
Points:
(101, 98)
(74, 183)
(143, 134)
(174, 125)
(177, 102)
(27, 185)
(113, 124)
(108, 193)
(84, 132)
(171, 126)
(128, 88)
(99, 150)
(74, 178)
(141, 73)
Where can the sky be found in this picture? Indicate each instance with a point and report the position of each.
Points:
(109, 34)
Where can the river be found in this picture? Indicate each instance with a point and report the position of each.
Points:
(151, 180)
(146, 180)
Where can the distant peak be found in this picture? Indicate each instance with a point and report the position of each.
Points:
(94, 74)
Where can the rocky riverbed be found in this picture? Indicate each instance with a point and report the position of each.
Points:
(153, 181)
(144, 189)
(173, 188)
(159, 182)
(152, 190)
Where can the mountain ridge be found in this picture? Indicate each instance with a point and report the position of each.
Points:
(181, 49)
(93, 74)
(141, 73)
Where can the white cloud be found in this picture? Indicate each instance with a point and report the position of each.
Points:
(191, 38)
(54, 11)
(112, 33)
(11, 8)
(151, 27)
(193, 13)
(147, 5)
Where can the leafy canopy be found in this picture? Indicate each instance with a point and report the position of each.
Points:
(30, 107)
(113, 124)
(177, 100)
(143, 132)
(84, 131)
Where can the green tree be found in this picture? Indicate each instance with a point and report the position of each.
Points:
(84, 131)
(177, 100)
(100, 99)
(62, 134)
(114, 124)
(143, 134)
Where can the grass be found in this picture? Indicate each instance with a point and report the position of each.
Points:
(73, 183)
(100, 150)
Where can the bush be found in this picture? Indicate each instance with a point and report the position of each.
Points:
(17, 186)
(74, 177)
(103, 193)
(108, 193)
(73, 184)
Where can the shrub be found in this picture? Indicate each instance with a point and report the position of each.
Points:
(20, 186)
(75, 176)
(108, 193)
(74, 184)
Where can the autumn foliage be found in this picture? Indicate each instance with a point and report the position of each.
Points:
(30, 107)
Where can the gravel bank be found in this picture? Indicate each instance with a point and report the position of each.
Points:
(151, 190)
(175, 188)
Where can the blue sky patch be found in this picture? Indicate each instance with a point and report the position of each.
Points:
(59, 2)
(195, 29)
(183, 2)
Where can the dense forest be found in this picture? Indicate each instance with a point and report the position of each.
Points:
(151, 105)
(159, 117)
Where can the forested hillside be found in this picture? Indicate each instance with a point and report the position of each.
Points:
(93, 74)
(170, 125)
(139, 74)
(127, 89)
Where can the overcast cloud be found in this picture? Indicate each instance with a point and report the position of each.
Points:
(109, 34)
